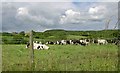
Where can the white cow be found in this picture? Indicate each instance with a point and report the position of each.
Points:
(102, 41)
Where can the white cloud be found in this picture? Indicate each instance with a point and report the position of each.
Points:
(70, 16)
(93, 10)
(49, 14)
(70, 12)
(45, 14)
(22, 11)
(25, 15)
(97, 12)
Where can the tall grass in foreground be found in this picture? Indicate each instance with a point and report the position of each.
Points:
(61, 58)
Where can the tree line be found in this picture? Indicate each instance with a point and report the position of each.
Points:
(23, 38)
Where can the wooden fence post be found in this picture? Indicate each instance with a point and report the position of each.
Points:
(31, 51)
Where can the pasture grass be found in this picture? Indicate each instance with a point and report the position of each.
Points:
(75, 37)
(61, 58)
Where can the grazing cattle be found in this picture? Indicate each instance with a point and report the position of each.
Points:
(102, 41)
(81, 41)
(110, 41)
(67, 42)
(63, 42)
(117, 42)
(71, 42)
(94, 41)
(50, 42)
(76, 42)
(38, 46)
(84, 42)
(43, 46)
(87, 40)
(28, 44)
(91, 41)
(58, 42)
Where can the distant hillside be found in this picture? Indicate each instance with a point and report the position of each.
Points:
(89, 34)
(22, 37)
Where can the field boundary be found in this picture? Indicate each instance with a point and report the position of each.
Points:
(60, 71)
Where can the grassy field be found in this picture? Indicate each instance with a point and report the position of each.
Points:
(61, 58)
(75, 37)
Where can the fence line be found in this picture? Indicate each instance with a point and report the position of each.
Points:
(31, 51)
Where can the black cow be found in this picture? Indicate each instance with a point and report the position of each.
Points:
(68, 42)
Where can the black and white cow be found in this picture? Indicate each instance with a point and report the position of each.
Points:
(37, 46)
(63, 42)
(58, 42)
(84, 42)
(117, 42)
(76, 42)
(28, 45)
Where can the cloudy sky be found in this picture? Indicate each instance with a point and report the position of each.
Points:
(69, 15)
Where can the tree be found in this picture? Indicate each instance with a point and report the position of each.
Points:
(22, 33)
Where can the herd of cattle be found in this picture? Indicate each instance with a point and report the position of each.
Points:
(83, 42)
